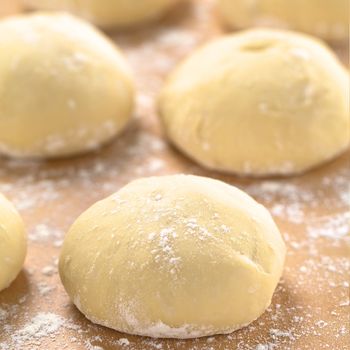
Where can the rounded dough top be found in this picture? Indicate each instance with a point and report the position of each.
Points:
(328, 19)
(64, 87)
(13, 244)
(174, 256)
(108, 13)
(259, 102)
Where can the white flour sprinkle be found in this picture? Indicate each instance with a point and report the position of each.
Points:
(48, 270)
(45, 289)
(164, 253)
(41, 326)
(3, 314)
(333, 226)
(123, 342)
(44, 233)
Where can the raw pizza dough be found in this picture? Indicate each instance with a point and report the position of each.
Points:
(108, 13)
(259, 102)
(64, 87)
(176, 256)
(328, 19)
(13, 244)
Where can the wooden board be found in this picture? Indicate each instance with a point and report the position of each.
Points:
(310, 309)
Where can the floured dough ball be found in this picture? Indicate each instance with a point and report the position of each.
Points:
(175, 257)
(13, 244)
(108, 13)
(261, 102)
(64, 87)
(328, 19)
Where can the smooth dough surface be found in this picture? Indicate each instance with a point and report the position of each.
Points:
(260, 102)
(328, 19)
(175, 256)
(13, 244)
(108, 13)
(64, 87)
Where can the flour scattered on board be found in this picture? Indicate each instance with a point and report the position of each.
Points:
(31, 334)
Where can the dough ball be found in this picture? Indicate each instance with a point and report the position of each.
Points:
(13, 244)
(175, 257)
(261, 102)
(328, 19)
(64, 88)
(108, 13)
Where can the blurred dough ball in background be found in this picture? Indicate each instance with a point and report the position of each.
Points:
(259, 102)
(328, 19)
(108, 13)
(175, 256)
(13, 245)
(64, 87)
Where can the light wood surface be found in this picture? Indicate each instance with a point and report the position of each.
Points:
(310, 308)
